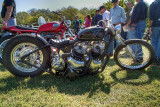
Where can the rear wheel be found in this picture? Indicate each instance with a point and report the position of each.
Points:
(19, 46)
(136, 54)
(3, 42)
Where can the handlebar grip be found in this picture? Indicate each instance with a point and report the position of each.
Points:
(56, 13)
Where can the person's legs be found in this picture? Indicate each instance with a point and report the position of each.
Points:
(123, 35)
(158, 45)
(11, 22)
(111, 45)
(130, 34)
(111, 48)
(154, 40)
(139, 31)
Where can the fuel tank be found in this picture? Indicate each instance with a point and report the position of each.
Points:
(91, 33)
(52, 26)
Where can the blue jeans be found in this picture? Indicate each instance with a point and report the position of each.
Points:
(130, 34)
(11, 22)
(138, 33)
(111, 46)
(155, 41)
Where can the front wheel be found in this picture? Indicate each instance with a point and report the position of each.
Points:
(135, 55)
(21, 45)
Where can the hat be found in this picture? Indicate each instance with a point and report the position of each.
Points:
(114, 1)
(102, 7)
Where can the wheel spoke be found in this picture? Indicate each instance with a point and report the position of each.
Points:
(30, 63)
(142, 56)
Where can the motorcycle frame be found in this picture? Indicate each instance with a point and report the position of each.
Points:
(112, 31)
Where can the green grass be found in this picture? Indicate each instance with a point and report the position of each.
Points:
(113, 87)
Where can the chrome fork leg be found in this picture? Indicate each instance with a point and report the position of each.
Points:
(128, 48)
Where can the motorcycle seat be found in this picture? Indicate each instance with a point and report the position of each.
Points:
(62, 44)
(26, 28)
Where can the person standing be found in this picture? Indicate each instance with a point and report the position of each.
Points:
(118, 17)
(117, 14)
(130, 7)
(106, 14)
(88, 21)
(138, 25)
(155, 28)
(138, 18)
(8, 13)
(105, 18)
(77, 24)
(96, 18)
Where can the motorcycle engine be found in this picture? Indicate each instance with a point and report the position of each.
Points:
(79, 51)
(97, 50)
(76, 60)
(80, 55)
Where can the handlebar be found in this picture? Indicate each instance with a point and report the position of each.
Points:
(56, 13)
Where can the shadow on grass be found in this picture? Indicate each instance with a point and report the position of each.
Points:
(2, 68)
(111, 62)
(86, 84)
(134, 77)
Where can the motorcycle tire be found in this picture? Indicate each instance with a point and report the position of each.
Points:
(130, 63)
(3, 42)
(21, 43)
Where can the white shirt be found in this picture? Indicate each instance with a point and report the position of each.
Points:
(106, 15)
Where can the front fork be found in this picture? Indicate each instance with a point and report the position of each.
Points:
(128, 48)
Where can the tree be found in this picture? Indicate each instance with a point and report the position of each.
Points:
(1, 21)
(108, 5)
(84, 11)
(92, 12)
(23, 18)
(69, 12)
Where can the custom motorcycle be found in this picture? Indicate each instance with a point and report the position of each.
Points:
(29, 55)
(53, 30)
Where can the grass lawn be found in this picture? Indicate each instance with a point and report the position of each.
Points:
(113, 87)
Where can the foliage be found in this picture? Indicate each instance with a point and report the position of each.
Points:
(24, 18)
(1, 21)
(70, 12)
(108, 4)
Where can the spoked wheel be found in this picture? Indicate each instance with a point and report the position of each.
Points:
(3, 42)
(32, 65)
(136, 54)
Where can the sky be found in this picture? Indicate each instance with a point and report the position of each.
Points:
(25, 5)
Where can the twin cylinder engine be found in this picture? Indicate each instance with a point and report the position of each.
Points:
(85, 53)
